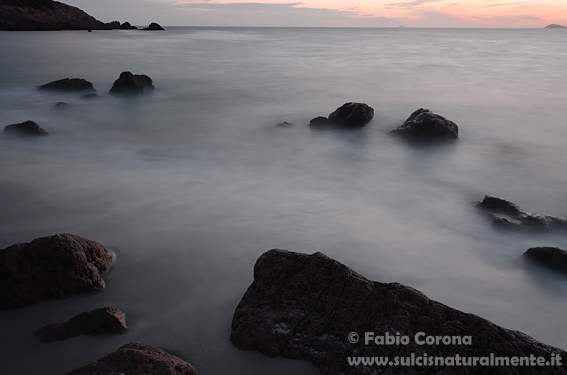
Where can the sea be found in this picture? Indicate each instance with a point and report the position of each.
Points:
(191, 183)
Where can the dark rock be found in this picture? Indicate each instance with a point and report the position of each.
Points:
(39, 15)
(26, 128)
(129, 83)
(112, 25)
(94, 323)
(135, 359)
(319, 122)
(53, 267)
(90, 31)
(284, 124)
(127, 26)
(308, 307)
(90, 96)
(424, 124)
(352, 115)
(68, 84)
(552, 257)
(349, 115)
(62, 105)
(555, 26)
(506, 214)
(153, 26)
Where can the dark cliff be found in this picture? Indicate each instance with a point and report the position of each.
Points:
(38, 15)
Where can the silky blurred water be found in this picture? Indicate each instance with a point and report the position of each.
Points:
(192, 183)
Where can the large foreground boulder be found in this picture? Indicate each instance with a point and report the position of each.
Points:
(93, 323)
(552, 257)
(424, 124)
(129, 83)
(53, 267)
(136, 359)
(314, 308)
(28, 128)
(505, 214)
(68, 85)
(349, 115)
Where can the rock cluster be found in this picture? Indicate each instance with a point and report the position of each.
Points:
(94, 323)
(314, 308)
(53, 267)
(505, 214)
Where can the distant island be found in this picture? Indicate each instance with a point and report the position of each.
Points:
(555, 26)
(47, 15)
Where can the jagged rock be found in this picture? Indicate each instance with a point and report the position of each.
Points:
(38, 15)
(552, 257)
(506, 214)
(62, 105)
(311, 307)
(67, 84)
(153, 26)
(284, 124)
(29, 128)
(94, 323)
(53, 267)
(128, 26)
(424, 124)
(135, 359)
(129, 83)
(349, 115)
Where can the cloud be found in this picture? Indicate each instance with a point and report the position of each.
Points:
(410, 4)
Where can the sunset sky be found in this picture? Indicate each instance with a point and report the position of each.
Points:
(339, 13)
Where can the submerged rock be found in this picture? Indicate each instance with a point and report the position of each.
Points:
(424, 124)
(90, 96)
(153, 26)
(94, 323)
(135, 359)
(62, 105)
(349, 115)
(552, 257)
(68, 84)
(506, 214)
(314, 308)
(284, 124)
(53, 267)
(28, 128)
(129, 83)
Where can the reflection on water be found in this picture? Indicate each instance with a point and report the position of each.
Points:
(191, 184)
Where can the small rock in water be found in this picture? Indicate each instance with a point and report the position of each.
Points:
(68, 84)
(136, 359)
(129, 83)
(284, 124)
(28, 128)
(349, 115)
(94, 323)
(424, 124)
(552, 257)
(90, 96)
(62, 105)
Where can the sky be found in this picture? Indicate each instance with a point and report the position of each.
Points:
(330, 13)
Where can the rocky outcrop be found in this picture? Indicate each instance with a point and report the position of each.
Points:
(112, 25)
(68, 85)
(28, 128)
(505, 214)
(314, 308)
(552, 257)
(153, 27)
(424, 124)
(127, 26)
(349, 115)
(555, 26)
(53, 267)
(93, 323)
(135, 359)
(38, 15)
(129, 83)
